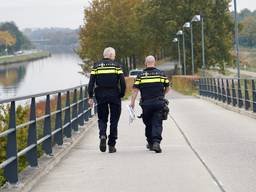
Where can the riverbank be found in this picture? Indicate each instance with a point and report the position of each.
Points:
(24, 57)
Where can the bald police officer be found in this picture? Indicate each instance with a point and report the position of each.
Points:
(108, 83)
(153, 85)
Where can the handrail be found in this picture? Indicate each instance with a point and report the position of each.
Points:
(38, 95)
(66, 119)
(239, 92)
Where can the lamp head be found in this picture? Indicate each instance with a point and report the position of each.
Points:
(186, 25)
(196, 18)
(175, 40)
(180, 32)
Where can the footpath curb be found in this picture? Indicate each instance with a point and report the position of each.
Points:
(31, 176)
(229, 107)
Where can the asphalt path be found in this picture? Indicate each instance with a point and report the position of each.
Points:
(206, 148)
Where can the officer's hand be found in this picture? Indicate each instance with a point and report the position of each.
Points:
(91, 102)
(132, 105)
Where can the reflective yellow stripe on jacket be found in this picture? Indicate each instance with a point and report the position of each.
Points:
(106, 70)
(152, 79)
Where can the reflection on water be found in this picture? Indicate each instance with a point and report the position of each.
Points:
(57, 72)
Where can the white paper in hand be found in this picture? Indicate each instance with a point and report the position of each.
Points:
(132, 115)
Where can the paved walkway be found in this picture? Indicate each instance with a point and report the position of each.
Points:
(205, 149)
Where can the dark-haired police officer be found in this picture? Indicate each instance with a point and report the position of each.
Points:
(153, 85)
(108, 77)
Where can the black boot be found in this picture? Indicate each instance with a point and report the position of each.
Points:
(149, 146)
(156, 147)
(111, 149)
(103, 146)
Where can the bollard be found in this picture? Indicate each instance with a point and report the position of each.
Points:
(67, 118)
(32, 136)
(11, 170)
(47, 144)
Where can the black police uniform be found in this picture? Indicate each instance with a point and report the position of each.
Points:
(108, 77)
(152, 84)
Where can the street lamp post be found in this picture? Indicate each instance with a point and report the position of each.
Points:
(189, 25)
(237, 42)
(180, 32)
(192, 49)
(203, 48)
(198, 18)
(176, 40)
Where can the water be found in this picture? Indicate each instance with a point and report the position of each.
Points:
(60, 71)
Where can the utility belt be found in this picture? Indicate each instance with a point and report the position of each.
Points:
(151, 100)
(165, 109)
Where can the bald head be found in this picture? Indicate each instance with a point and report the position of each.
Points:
(150, 61)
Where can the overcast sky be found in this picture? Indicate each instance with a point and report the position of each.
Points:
(57, 13)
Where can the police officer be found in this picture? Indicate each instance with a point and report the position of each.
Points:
(153, 85)
(108, 83)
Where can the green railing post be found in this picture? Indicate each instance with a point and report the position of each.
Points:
(86, 106)
(240, 95)
(58, 137)
(254, 95)
(246, 96)
(47, 144)
(67, 118)
(81, 120)
(228, 92)
(74, 112)
(32, 136)
(223, 93)
(234, 98)
(11, 170)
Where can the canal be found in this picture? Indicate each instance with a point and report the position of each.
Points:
(60, 71)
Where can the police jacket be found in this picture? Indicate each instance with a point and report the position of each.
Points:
(152, 83)
(107, 79)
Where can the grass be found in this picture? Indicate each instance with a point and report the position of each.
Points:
(248, 59)
(185, 84)
(23, 58)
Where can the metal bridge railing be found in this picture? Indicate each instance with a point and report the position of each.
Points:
(67, 117)
(237, 92)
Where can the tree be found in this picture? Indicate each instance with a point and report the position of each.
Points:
(7, 39)
(22, 42)
(109, 23)
(142, 27)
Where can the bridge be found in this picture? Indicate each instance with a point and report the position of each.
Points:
(209, 144)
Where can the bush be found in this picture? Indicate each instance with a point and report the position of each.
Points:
(187, 85)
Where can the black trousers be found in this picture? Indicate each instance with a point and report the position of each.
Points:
(153, 121)
(109, 106)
